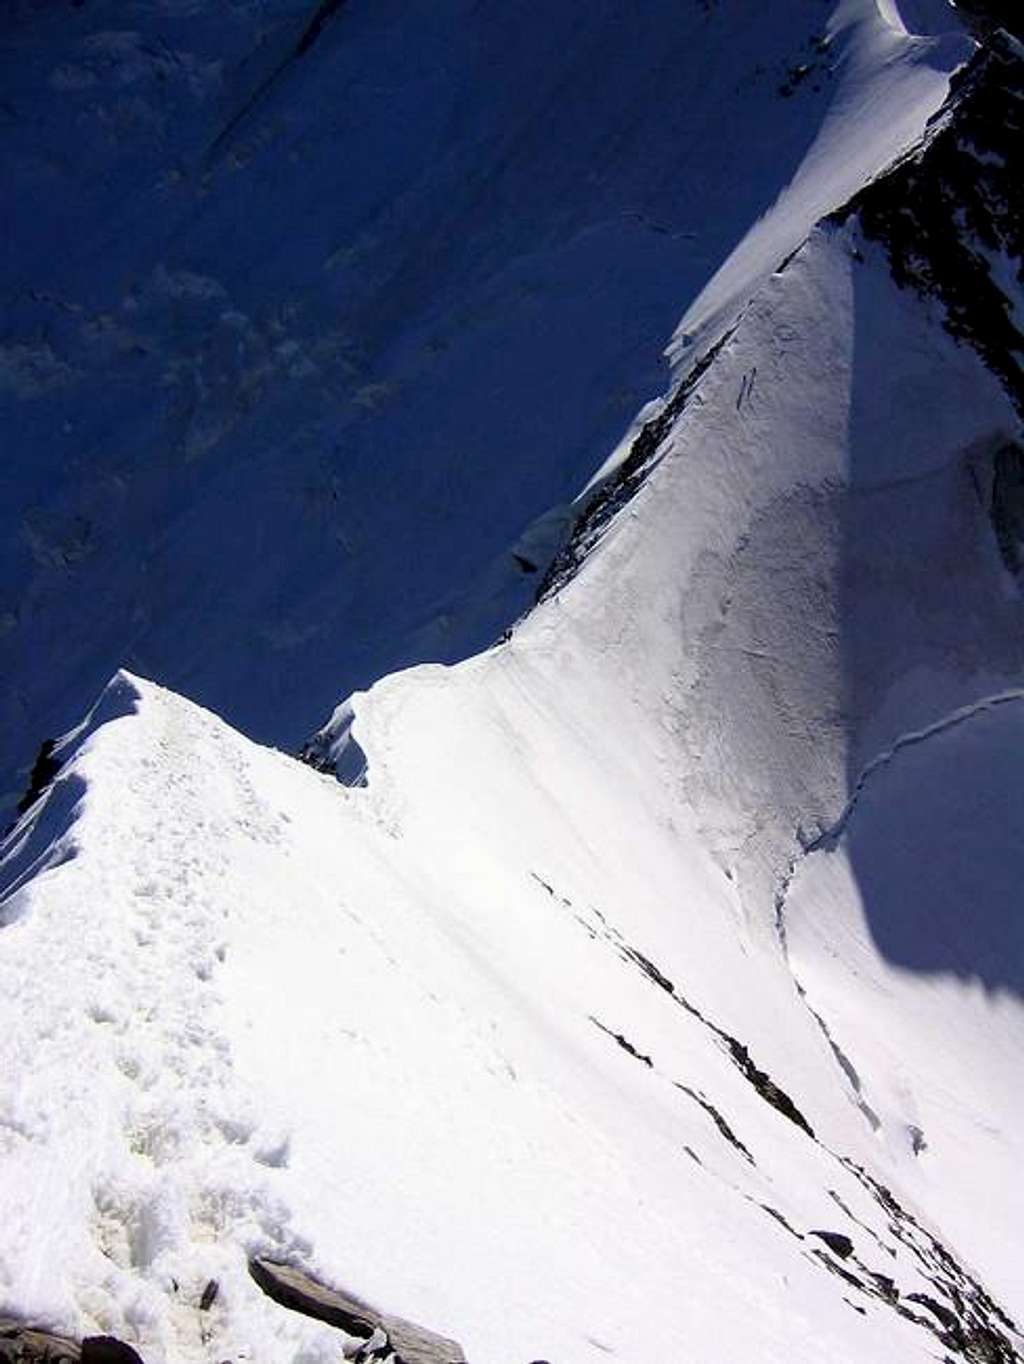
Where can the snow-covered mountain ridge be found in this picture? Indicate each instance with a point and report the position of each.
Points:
(655, 991)
(455, 1007)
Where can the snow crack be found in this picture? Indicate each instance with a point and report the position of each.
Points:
(829, 839)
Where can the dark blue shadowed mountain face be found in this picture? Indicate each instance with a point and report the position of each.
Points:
(316, 319)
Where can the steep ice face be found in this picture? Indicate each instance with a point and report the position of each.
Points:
(342, 307)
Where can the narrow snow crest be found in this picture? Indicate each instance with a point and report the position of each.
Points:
(136, 1171)
(42, 836)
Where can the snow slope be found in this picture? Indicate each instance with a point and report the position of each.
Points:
(284, 316)
(765, 637)
(374, 1030)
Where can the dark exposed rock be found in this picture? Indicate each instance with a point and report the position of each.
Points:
(966, 1320)
(541, 882)
(44, 769)
(209, 1295)
(973, 1340)
(837, 1242)
(717, 1119)
(942, 1314)
(986, 15)
(345, 761)
(955, 203)
(107, 1350)
(838, 1270)
(1007, 505)
(624, 1043)
(619, 487)
(649, 969)
(918, 1142)
(325, 11)
(774, 1213)
(737, 1052)
(22, 1344)
(294, 1289)
(315, 759)
(886, 1285)
(766, 1087)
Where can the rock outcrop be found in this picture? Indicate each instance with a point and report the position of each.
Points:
(24, 1344)
(294, 1289)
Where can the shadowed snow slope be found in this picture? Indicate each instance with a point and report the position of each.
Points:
(324, 332)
